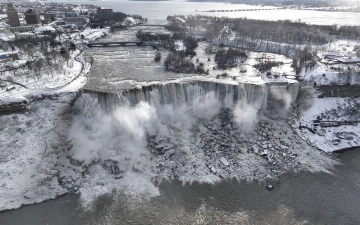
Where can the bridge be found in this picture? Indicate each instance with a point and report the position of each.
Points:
(169, 27)
(114, 44)
(240, 10)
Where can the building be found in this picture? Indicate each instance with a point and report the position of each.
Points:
(332, 55)
(78, 21)
(45, 30)
(32, 17)
(50, 17)
(12, 15)
(70, 14)
(104, 12)
(349, 61)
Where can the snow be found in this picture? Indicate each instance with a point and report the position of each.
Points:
(28, 171)
(13, 99)
(69, 81)
(94, 34)
(328, 139)
(44, 28)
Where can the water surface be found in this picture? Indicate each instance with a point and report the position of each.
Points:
(304, 198)
(157, 11)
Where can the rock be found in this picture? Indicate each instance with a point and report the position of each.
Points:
(138, 168)
(68, 142)
(113, 167)
(117, 177)
(170, 153)
(69, 147)
(264, 153)
(270, 187)
(224, 161)
(212, 169)
(69, 154)
(100, 183)
(76, 162)
(29, 195)
(54, 145)
(255, 149)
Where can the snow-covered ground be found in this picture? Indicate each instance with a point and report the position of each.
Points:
(330, 139)
(28, 153)
(245, 71)
(328, 70)
(71, 79)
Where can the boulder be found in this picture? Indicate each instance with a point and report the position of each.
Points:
(264, 152)
(29, 195)
(224, 161)
(138, 168)
(54, 145)
(255, 149)
(113, 167)
(270, 187)
(76, 162)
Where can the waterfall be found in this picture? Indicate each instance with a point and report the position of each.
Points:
(176, 93)
(157, 131)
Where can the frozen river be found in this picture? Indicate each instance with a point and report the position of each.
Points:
(157, 12)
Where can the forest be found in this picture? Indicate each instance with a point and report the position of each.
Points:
(282, 31)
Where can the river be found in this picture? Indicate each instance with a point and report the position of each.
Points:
(304, 198)
(157, 11)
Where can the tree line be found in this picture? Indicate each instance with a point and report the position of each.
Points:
(282, 31)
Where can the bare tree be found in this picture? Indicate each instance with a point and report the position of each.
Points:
(38, 65)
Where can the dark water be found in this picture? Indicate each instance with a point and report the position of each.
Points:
(305, 198)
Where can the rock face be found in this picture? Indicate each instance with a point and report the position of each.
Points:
(12, 105)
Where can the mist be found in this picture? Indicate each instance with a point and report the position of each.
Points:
(129, 147)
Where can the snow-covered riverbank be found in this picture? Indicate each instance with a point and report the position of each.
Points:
(311, 125)
(29, 154)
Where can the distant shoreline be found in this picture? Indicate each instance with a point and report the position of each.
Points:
(148, 0)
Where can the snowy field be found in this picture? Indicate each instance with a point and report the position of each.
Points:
(47, 81)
